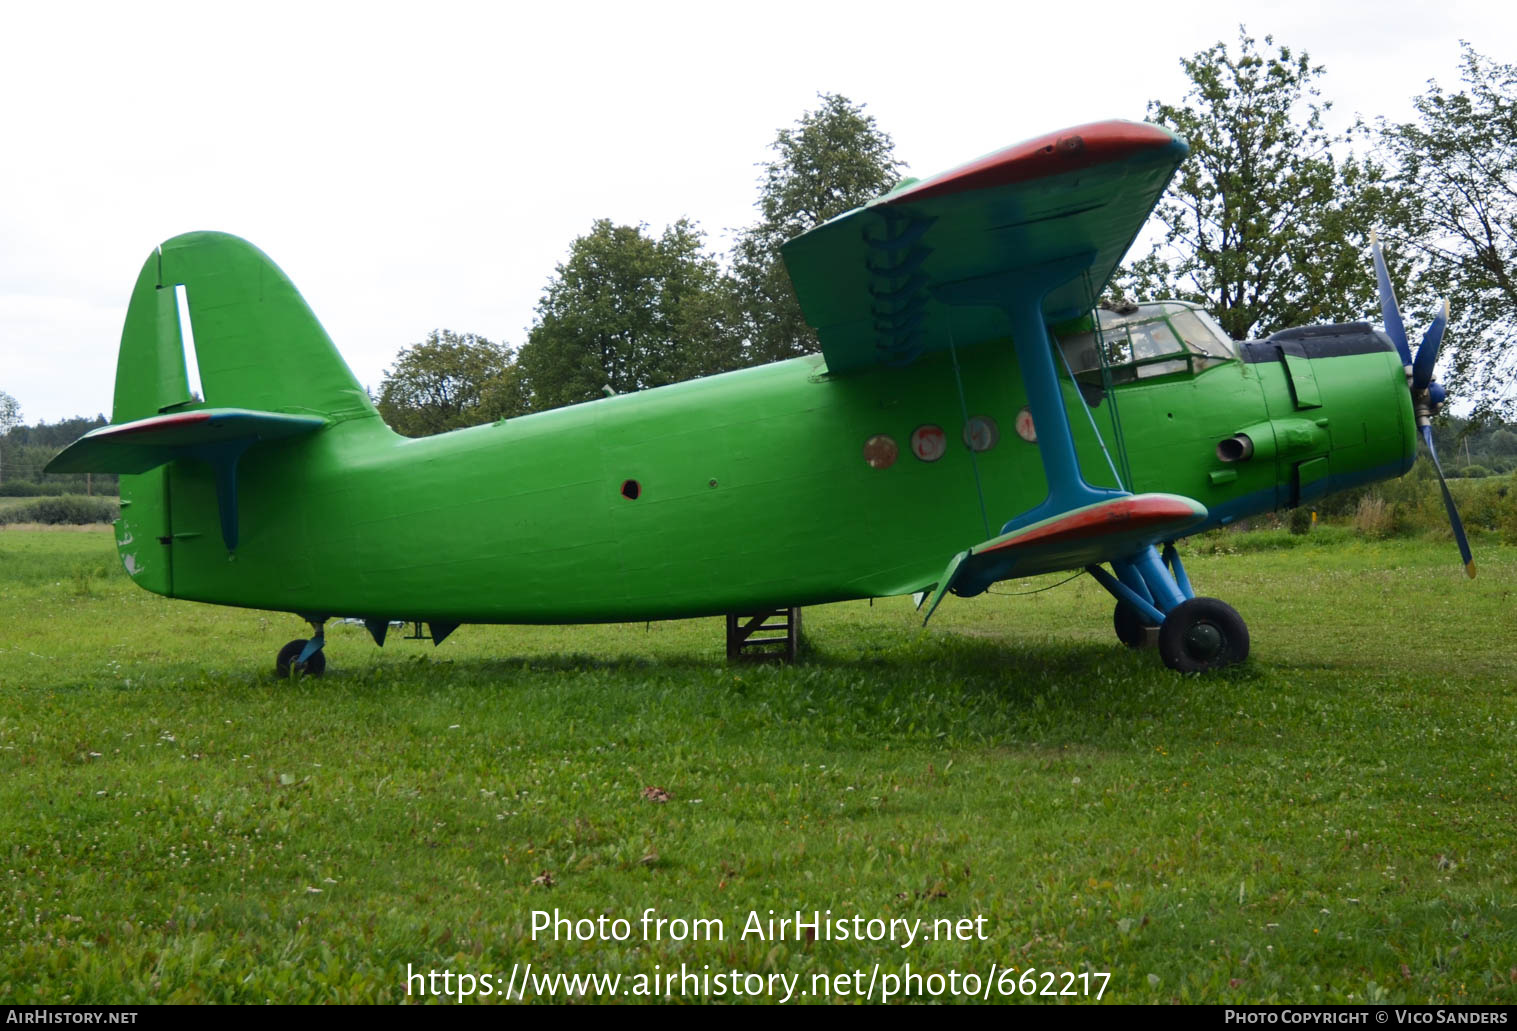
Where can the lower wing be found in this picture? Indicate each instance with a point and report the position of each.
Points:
(1112, 529)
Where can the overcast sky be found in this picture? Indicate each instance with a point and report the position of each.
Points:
(414, 166)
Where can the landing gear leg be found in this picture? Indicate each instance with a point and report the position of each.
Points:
(1194, 634)
(304, 657)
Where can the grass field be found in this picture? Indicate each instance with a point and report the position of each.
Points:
(1332, 821)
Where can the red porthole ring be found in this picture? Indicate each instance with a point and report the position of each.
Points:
(929, 442)
(631, 490)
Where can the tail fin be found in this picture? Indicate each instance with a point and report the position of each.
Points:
(268, 373)
(255, 341)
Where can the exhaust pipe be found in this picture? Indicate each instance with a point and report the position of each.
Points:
(1237, 448)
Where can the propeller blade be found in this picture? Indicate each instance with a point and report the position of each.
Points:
(1448, 502)
(1427, 351)
(1394, 327)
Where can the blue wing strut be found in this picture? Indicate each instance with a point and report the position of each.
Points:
(1152, 584)
(1020, 294)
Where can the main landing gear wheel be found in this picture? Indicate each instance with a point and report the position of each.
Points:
(1202, 634)
(286, 663)
(1131, 628)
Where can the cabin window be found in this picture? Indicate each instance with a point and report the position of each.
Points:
(1145, 341)
(1139, 345)
(1203, 336)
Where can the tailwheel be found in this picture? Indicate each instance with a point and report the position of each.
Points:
(1132, 629)
(289, 662)
(1202, 634)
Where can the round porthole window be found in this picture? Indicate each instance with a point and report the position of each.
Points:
(880, 451)
(1025, 429)
(929, 442)
(981, 432)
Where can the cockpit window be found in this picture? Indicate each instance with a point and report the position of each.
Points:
(1202, 333)
(1147, 340)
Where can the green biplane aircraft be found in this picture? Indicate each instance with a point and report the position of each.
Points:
(966, 392)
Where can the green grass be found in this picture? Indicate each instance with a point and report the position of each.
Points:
(1332, 821)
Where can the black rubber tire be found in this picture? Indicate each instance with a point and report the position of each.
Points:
(1202, 634)
(315, 666)
(1131, 629)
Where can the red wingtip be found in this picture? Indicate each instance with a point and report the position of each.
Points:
(1139, 511)
(1067, 150)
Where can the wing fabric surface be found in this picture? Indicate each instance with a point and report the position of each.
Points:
(868, 280)
(1112, 529)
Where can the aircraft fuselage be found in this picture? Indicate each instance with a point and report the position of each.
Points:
(766, 487)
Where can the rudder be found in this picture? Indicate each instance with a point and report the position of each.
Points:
(256, 342)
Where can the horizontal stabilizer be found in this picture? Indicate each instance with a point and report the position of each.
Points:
(1111, 529)
(136, 447)
(216, 436)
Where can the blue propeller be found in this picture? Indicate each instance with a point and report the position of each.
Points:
(1426, 394)
(1448, 503)
(1427, 352)
(1394, 328)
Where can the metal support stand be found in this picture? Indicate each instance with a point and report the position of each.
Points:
(774, 634)
(436, 631)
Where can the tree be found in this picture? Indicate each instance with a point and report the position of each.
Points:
(628, 311)
(1459, 161)
(10, 416)
(449, 381)
(25, 451)
(10, 412)
(833, 160)
(1264, 224)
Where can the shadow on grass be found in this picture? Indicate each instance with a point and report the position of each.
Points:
(934, 683)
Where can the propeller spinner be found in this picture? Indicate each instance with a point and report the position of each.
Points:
(1427, 395)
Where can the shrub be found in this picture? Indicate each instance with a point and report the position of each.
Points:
(1342, 504)
(1489, 504)
(1301, 520)
(27, 489)
(1373, 517)
(68, 508)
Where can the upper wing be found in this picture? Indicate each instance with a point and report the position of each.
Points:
(866, 279)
